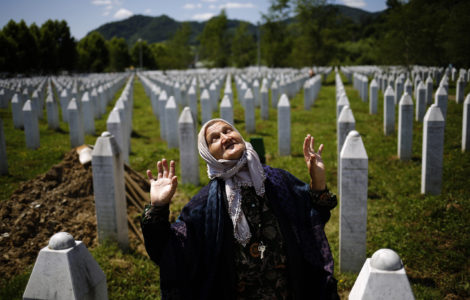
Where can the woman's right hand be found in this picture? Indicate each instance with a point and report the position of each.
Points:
(164, 186)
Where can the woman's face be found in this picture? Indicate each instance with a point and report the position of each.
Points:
(224, 142)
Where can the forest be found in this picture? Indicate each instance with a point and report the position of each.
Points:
(293, 33)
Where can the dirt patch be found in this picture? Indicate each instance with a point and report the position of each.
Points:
(59, 200)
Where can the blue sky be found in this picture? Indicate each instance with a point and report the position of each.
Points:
(83, 16)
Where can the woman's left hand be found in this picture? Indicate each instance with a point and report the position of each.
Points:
(316, 167)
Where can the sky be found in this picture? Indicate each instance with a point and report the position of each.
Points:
(82, 16)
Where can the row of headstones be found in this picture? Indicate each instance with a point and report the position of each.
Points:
(78, 113)
(65, 269)
(383, 276)
(433, 134)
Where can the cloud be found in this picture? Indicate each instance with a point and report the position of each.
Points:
(192, 6)
(101, 2)
(212, 6)
(148, 11)
(231, 5)
(209, 0)
(123, 13)
(354, 3)
(202, 17)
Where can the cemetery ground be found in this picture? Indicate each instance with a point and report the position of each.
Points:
(430, 233)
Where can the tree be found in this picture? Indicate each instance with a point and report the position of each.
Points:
(148, 60)
(93, 55)
(243, 47)
(22, 47)
(119, 57)
(215, 45)
(161, 53)
(178, 47)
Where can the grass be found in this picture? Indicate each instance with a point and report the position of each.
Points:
(430, 233)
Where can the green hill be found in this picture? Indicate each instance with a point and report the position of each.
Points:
(162, 28)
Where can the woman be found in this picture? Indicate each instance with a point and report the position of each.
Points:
(253, 232)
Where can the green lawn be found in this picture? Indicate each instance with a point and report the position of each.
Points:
(430, 233)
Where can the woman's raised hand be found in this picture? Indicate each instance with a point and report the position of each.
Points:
(315, 165)
(164, 186)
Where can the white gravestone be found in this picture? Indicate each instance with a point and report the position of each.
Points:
(171, 118)
(95, 100)
(346, 123)
(420, 102)
(52, 113)
(189, 159)
(460, 88)
(115, 126)
(441, 100)
(213, 96)
(249, 104)
(466, 125)
(274, 94)
(373, 97)
(192, 102)
(408, 88)
(343, 101)
(88, 114)
(353, 204)
(17, 111)
(433, 151)
(77, 135)
(3, 152)
(389, 111)
(65, 269)
(161, 113)
(64, 102)
(405, 127)
(429, 86)
(398, 89)
(264, 102)
(283, 126)
(206, 106)
(109, 191)
(382, 277)
(31, 126)
(256, 92)
(226, 110)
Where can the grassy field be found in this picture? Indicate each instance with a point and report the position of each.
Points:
(430, 233)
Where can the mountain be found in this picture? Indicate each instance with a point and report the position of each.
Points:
(357, 15)
(162, 28)
(156, 29)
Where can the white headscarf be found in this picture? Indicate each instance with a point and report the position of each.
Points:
(246, 171)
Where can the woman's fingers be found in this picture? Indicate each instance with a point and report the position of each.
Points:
(320, 149)
(149, 175)
(306, 145)
(165, 168)
(160, 169)
(172, 169)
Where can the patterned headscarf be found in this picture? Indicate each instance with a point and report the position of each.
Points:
(246, 171)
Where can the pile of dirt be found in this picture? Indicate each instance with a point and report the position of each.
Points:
(60, 200)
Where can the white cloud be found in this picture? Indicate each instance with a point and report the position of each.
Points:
(231, 5)
(209, 0)
(192, 6)
(101, 2)
(202, 17)
(148, 11)
(212, 6)
(354, 3)
(123, 13)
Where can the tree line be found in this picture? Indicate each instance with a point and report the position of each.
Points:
(293, 33)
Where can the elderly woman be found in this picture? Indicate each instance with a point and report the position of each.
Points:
(254, 232)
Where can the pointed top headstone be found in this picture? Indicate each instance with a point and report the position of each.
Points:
(434, 113)
(389, 92)
(406, 99)
(353, 146)
(283, 101)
